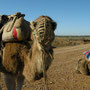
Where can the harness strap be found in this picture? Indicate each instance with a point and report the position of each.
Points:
(11, 26)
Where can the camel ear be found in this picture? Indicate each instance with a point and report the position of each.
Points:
(54, 25)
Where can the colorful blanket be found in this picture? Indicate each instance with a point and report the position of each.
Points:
(87, 55)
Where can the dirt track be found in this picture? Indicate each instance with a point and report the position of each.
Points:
(62, 75)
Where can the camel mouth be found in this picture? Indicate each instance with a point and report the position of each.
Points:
(38, 76)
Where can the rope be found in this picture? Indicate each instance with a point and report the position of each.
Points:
(44, 70)
(11, 26)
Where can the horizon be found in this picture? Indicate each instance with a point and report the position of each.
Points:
(72, 35)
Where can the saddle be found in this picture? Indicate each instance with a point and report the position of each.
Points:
(16, 29)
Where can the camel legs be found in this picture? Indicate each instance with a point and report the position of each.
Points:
(10, 82)
(0, 88)
(20, 81)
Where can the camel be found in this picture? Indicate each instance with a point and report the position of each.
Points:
(83, 66)
(24, 61)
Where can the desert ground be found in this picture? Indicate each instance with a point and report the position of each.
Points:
(62, 74)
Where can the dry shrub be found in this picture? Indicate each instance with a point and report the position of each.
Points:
(67, 41)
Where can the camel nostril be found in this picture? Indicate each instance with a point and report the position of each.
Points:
(38, 76)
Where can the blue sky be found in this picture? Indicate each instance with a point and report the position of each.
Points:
(72, 16)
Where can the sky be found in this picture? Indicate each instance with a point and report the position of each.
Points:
(72, 16)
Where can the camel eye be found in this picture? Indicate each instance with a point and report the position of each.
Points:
(35, 24)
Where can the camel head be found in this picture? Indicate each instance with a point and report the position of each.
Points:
(43, 29)
(41, 53)
(43, 34)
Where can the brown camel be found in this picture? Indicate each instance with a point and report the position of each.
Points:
(20, 60)
(83, 66)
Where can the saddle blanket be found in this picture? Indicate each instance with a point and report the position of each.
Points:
(87, 55)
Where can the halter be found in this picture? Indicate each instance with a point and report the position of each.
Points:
(36, 36)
